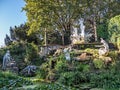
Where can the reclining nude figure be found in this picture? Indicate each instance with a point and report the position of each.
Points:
(105, 49)
(6, 59)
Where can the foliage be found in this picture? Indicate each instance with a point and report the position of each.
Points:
(102, 30)
(31, 53)
(18, 33)
(61, 15)
(53, 86)
(113, 55)
(53, 67)
(53, 15)
(108, 79)
(41, 73)
(81, 67)
(17, 51)
(61, 65)
(7, 40)
(9, 81)
(92, 51)
(73, 78)
(2, 52)
(114, 29)
(98, 63)
(23, 53)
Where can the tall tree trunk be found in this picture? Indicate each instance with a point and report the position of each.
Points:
(45, 37)
(95, 31)
(63, 43)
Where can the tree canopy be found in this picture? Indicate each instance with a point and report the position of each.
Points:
(114, 28)
(51, 15)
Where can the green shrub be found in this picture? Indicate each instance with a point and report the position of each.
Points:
(73, 78)
(61, 64)
(2, 52)
(31, 53)
(41, 74)
(9, 80)
(53, 86)
(44, 69)
(102, 30)
(114, 29)
(23, 53)
(98, 63)
(82, 67)
(107, 79)
(94, 52)
(113, 55)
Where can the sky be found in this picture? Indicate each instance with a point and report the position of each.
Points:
(11, 14)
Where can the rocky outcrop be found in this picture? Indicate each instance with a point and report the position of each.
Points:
(12, 66)
(82, 57)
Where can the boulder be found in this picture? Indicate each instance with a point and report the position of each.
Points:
(12, 66)
(82, 57)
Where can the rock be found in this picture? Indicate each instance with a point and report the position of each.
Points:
(106, 60)
(58, 52)
(12, 66)
(82, 57)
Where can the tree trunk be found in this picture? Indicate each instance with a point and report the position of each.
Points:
(45, 37)
(63, 43)
(95, 31)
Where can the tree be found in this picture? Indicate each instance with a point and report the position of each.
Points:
(114, 29)
(7, 40)
(18, 33)
(12, 34)
(98, 12)
(53, 14)
(61, 14)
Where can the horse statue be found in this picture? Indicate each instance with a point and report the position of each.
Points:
(104, 49)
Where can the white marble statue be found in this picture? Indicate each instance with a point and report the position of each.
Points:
(78, 34)
(6, 59)
(67, 53)
(104, 49)
(75, 34)
(82, 27)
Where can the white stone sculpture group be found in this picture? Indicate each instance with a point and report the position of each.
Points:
(78, 36)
